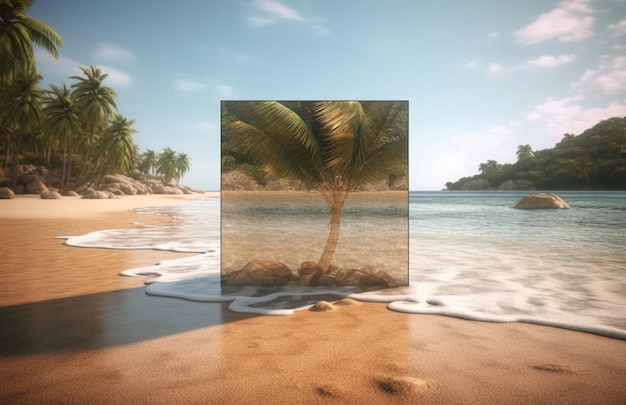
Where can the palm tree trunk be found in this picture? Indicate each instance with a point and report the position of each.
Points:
(335, 202)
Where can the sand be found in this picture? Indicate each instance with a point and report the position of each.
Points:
(73, 331)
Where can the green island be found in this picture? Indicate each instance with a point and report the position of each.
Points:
(593, 160)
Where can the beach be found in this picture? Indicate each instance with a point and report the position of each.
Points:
(75, 331)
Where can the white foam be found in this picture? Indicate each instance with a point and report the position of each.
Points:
(470, 277)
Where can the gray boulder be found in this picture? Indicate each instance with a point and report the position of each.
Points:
(6, 193)
(51, 195)
(540, 201)
(36, 187)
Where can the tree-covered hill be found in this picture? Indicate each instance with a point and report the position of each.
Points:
(593, 160)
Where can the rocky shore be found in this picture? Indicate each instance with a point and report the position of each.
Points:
(46, 183)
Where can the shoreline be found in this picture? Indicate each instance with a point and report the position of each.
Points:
(75, 331)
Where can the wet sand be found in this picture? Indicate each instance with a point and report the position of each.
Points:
(73, 331)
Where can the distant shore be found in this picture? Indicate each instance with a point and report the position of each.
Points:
(74, 331)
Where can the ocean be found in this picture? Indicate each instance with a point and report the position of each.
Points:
(470, 256)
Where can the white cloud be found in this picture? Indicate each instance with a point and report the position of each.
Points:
(618, 29)
(268, 12)
(189, 86)
(568, 115)
(116, 77)
(56, 69)
(550, 61)
(571, 21)
(495, 68)
(225, 91)
(493, 34)
(609, 77)
(112, 53)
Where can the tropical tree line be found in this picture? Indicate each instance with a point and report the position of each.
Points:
(595, 159)
(76, 129)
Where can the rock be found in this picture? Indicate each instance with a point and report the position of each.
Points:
(70, 194)
(51, 195)
(308, 272)
(30, 177)
(261, 272)
(36, 187)
(97, 195)
(366, 277)
(540, 201)
(6, 193)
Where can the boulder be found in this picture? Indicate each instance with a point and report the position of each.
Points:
(97, 195)
(6, 193)
(51, 195)
(36, 187)
(70, 194)
(308, 271)
(261, 272)
(365, 277)
(540, 201)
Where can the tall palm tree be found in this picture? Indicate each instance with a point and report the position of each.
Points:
(62, 125)
(116, 150)
(148, 162)
(166, 164)
(525, 154)
(332, 146)
(18, 33)
(183, 164)
(20, 113)
(96, 104)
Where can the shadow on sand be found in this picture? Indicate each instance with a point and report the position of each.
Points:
(102, 320)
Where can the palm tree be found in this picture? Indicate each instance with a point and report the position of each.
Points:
(96, 104)
(332, 146)
(525, 154)
(20, 113)
(62, 125)
(183, 165)
(491, 170)
(18, 33)
(116, 150)
(148, 162)
(166, 164)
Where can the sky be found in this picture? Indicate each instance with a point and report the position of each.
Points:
(482, 77)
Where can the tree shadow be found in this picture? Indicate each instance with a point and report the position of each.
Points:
(103, 320)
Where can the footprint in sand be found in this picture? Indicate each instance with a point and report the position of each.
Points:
(404, 385)
(554, 368)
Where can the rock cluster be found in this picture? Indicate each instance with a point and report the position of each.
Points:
(273, 273)
(41, 181)
(540, 201)
(238, 180)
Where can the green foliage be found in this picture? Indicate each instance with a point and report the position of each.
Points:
(595, 159)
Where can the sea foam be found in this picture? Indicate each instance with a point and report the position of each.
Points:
(458, 267)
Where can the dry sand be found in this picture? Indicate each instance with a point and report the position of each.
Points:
(73, 331)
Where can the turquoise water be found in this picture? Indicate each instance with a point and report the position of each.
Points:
(470, 256)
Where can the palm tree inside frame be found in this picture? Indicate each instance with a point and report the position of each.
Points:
(334, 147)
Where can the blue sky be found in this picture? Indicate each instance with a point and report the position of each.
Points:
(481, 77)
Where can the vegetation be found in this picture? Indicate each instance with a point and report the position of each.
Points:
(331, 146)
(76, 129)
(595, 159)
